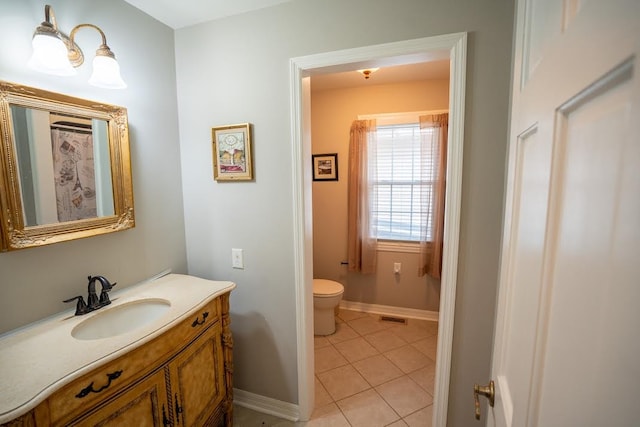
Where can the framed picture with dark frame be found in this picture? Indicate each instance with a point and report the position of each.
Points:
(325, 167)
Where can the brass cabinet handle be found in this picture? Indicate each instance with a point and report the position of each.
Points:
(487, 391)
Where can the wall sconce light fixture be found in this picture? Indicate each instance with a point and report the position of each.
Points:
(56, 53)
(367, 73)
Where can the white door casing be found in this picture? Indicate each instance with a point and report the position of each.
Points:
(452, 46)
(566, 346)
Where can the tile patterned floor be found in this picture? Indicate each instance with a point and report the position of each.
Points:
(369, 373)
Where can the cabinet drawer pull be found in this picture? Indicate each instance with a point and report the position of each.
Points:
(89, 389)
(197, 322)
(165, 420)
(178, 410)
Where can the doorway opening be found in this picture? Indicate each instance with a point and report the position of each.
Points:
(451, 46)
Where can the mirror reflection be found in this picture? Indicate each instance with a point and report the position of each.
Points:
(63, 165)
(65, 169)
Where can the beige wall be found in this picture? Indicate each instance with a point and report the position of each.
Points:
(332, 112)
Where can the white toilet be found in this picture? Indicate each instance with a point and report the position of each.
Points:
(326, 297)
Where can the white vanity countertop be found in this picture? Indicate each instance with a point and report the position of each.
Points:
(37, 360)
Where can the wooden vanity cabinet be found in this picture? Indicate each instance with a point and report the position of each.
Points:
(196, 380)
(180, 393)
(181, 378)
(141, 405)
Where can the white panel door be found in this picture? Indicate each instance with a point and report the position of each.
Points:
(567, 345)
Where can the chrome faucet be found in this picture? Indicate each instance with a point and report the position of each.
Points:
(93, 302)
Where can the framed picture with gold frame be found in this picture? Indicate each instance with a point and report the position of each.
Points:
(232, 158)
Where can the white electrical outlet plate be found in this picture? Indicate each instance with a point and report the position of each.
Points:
(237, 259)
(397, 267)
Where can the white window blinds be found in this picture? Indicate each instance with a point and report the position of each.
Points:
(404, 183)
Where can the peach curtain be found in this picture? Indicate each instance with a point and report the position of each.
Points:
(361, 224)
(435, 141)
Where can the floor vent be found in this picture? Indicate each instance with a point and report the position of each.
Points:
(393, 319)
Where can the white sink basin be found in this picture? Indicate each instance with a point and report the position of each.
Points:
(120, 319)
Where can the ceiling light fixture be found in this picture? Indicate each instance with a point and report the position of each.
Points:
(367, 72)
(56, 53)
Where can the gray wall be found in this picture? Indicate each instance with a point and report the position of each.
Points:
(33, 282)
(236, 70)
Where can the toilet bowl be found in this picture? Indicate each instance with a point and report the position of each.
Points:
(326, 297)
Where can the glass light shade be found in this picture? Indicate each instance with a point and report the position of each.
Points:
(50, 56)
(106, 73)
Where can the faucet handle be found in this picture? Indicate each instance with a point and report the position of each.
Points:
(106, 286)
(104, 295)
(81, 306)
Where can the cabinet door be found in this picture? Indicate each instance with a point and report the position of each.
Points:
(140, 406)
(197, 383)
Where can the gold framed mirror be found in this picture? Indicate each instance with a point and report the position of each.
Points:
(65, 168)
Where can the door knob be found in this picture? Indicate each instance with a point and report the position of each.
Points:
(487, 391)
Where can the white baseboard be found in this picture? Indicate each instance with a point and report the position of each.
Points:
(389, 310)
(266, 405)
(290, 411)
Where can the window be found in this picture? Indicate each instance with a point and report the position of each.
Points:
(403, 184)
(397, 189)
(406, 163)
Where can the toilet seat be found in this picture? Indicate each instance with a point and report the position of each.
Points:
(323, 288)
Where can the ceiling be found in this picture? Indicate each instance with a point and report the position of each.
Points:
(183, 13)
(386, 75)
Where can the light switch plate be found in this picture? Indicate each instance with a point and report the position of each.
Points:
(237, 258)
